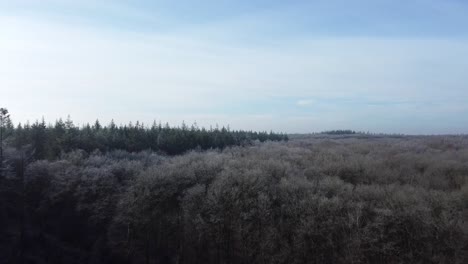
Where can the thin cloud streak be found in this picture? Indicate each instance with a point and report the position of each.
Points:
(305, 102)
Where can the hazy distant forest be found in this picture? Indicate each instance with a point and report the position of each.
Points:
(161, 194)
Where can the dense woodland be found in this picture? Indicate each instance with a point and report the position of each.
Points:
(49, 141)
(339, 132)
(312, 199)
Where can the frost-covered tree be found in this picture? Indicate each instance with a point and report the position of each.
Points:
(5, 124)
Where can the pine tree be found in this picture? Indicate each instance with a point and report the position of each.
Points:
(39, 139)
(5, 122)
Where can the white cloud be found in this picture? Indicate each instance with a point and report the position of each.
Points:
(305, 102)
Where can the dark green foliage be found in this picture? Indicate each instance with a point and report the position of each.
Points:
(50, 141)
(339, 132)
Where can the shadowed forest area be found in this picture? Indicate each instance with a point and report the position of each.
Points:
(49, 141)
(99, 195)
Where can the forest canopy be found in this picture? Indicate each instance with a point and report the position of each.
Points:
(49, 141)
(314, 199)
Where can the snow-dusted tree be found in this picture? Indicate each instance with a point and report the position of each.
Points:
(4, 123)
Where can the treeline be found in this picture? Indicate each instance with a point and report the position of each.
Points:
(339, 132)
(51, 140)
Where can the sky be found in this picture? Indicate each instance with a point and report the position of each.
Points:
(391, 66)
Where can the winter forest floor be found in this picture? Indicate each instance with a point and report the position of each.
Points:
(313, 199)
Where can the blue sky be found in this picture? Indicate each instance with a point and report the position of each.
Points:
(295, 66)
